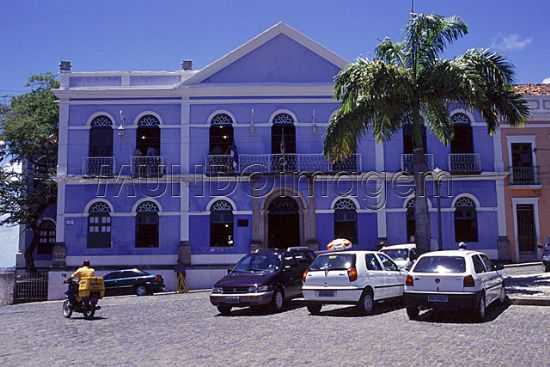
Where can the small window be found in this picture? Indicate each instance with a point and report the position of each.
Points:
(46, 237)
(221, 224)
(372, 263)
(99, 226)
(147, 225)
(478, 264)
(465, 220)
(488, 263)
(387, 263)
(345, 220)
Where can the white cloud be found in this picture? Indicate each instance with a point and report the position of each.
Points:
(511, 42)
(546, 81)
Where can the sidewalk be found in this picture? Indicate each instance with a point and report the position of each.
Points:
(528, 285)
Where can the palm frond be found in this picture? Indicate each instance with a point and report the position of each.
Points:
(391, 52)
(438, 120)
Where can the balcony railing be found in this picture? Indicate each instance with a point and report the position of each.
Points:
(524, 176)
(277, 163)
(407, 162)
(99, 166)
(464, 163)
(147, 166)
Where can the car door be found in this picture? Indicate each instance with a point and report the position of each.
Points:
(395, 279)
(480, 273)
(376, 276)
(291, 279)
(494, 279)
(111, 283)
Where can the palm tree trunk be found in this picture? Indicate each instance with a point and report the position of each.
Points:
(422, 233)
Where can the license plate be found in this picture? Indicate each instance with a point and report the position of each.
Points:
(234, 299)
(438, 298)
(327, 293)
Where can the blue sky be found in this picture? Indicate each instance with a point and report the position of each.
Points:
(133, 35)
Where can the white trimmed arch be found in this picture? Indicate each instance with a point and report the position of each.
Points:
(218, 198)
(462, 110)
(137, 203)
(355, 201)
(98, 114)
(92, 202)
(218, 112)
(145, 113)
(283, 111)
(469, 196)
(412, 197)
(45, 219)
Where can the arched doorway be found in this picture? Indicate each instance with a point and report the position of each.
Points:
(283, 223)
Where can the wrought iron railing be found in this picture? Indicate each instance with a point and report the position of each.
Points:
(224, 164)
(466, 163)
(407, 162)
(99, 166)
(524, 176)
(147, 166)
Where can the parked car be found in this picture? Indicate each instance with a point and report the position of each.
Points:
(546, 258)
(403, 255)
(352, 277)
(263, 278)
(456, 280)
(132, 281)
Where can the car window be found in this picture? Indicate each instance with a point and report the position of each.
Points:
(387, 263)
(111, 276)
(259, 263)
(478, 264)
(440, 264)
(488, 263)
(372, 262)
(128, 274)
(333, 262)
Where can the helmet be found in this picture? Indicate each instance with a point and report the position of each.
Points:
(461, 246)
(86, 263)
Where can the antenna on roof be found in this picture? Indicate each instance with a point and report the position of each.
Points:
(412, 6)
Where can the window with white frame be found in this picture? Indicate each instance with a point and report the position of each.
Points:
(345, 220)
(221, 224)
(99, 226)
(147, 224)
(465, 220)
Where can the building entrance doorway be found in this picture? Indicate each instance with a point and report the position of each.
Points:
(527, 232)
(283, 223)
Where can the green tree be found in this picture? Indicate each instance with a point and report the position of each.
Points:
(409, 79)
(28, 131)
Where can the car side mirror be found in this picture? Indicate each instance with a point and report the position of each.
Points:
(498, 267)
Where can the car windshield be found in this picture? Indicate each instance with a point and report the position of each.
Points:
(258, 263)
(333, 262)
(401, 254)
(440, 264)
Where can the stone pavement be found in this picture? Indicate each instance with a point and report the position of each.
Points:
(185, 330)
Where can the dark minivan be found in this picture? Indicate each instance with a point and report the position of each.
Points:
(263, 278)
(132, 281)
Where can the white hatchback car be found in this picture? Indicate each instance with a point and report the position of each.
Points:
(351, 277)
(457, 280)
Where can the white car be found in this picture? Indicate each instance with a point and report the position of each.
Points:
(456, 280)
(403, 255)
(351, 277)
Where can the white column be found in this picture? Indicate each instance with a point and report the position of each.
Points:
(185, 168)
(501, 208)
(60, 219)
(62, 153)
(379, 156)
(497, 148)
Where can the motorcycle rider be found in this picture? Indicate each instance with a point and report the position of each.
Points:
(84, 271)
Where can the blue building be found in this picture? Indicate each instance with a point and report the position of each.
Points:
(198, 167)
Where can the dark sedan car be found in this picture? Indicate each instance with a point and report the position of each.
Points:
(132, 281)
(263, 278)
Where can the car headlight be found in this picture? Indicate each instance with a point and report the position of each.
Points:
(263, 288)
(217, 290)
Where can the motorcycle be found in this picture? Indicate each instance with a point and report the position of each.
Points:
(86, 296)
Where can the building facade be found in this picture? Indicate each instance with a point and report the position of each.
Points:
(525, 151)
(198, 167)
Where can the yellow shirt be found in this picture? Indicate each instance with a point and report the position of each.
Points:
(83, 272)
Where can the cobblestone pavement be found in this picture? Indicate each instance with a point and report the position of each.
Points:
(185, 330)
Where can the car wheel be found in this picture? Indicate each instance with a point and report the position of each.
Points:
(278, 301)
(141, 291)
(366, 303)
(314, 309)
(481, 310)
(224, 310)
(67, 310)
(547, 269)
(413, 312)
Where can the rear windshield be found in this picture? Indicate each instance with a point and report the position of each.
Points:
(333, 262)
(440, 264)
(401, 254)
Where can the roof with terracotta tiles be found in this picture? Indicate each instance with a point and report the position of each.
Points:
(533, 89)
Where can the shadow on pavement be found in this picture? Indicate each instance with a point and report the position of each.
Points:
(463, 316)
(352, 311)
(263, 310)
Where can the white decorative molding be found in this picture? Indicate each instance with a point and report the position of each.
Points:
(60, 222)
(97, 114)
(531, 139)
(281, 111)
(93, 201)
(213, 259)
(355, 201)
(142, 200)
(221, 111)
(469, 196)
(123, 260)
(146, 113)
(217, 198)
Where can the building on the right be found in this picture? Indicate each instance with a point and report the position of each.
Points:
(526, 156)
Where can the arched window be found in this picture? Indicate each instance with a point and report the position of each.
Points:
(100, 150)
(46, 237)
(283, 142)
(221, 224)
(222, 150)
(463, 140)
(147, 225)
(147, 160)
(345, 220)
(465, 220)
(411, 222)
(99, 226)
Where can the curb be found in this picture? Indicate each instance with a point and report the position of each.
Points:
(530, 301)
(522, 265)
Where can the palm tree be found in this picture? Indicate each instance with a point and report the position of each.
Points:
(409, 80)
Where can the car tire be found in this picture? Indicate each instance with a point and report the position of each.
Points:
(366, 303)
(277, 302)
(413, 312)
(141, 291)
(314, 309)
(481, 309)
(547, 268)
(224, 310)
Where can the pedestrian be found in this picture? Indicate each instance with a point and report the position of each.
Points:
(181, 284)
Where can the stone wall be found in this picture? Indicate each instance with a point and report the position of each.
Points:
(7, 285)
